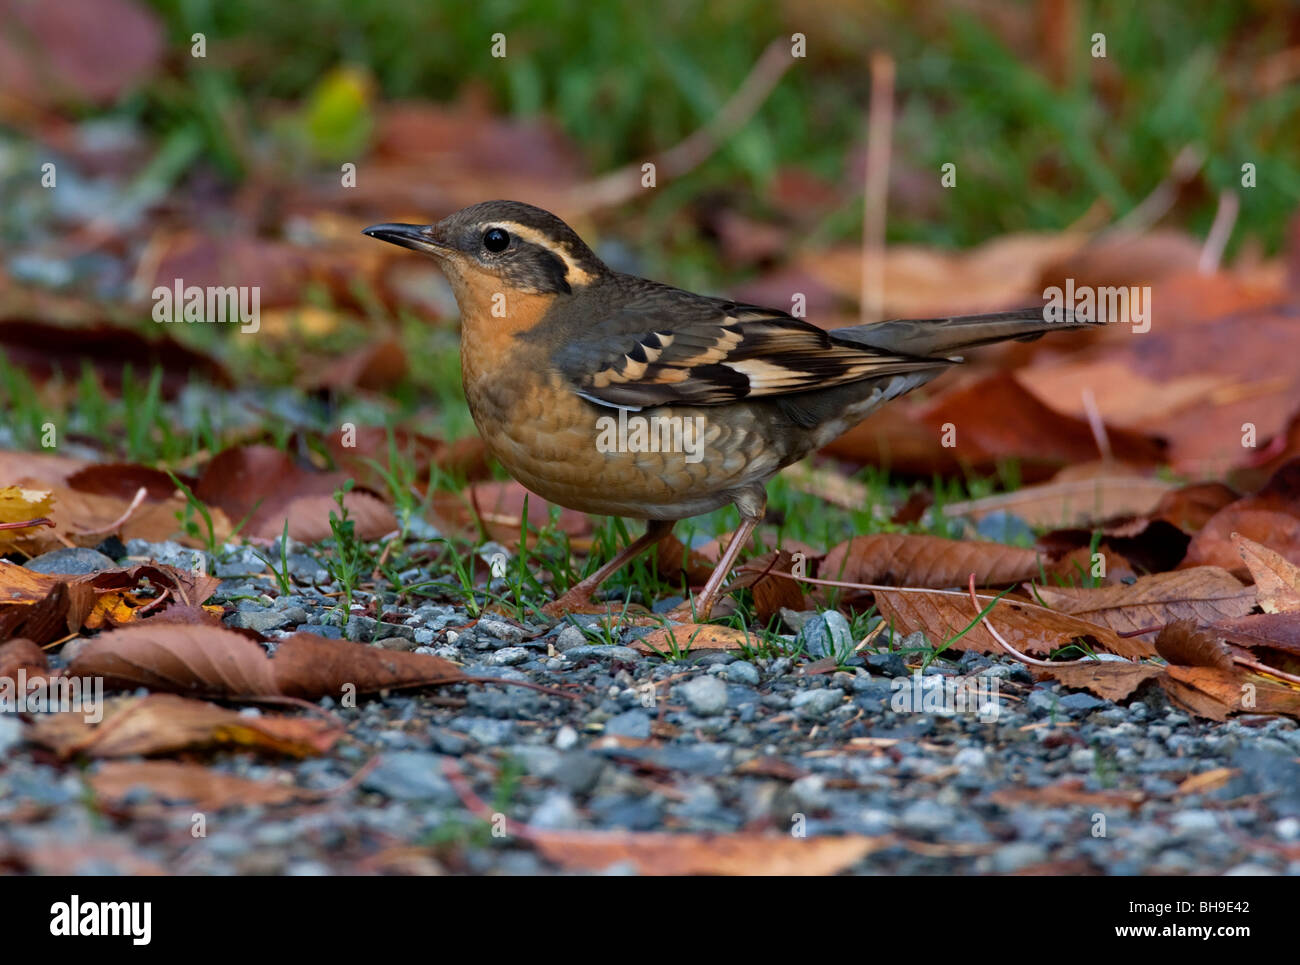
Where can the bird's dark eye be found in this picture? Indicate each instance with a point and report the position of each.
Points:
(495, 240)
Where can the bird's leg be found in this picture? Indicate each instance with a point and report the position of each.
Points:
(579, 595)
(752, 505)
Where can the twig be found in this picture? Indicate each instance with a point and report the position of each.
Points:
(875, 193)
(1023, 658)
(1097, 425)
(28, 523)
(1157, 204)
(121, 520)
(624, 183)
(1225, 218)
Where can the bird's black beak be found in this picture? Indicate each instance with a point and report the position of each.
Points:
(413, 236)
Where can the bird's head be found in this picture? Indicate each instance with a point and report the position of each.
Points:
(508, 245)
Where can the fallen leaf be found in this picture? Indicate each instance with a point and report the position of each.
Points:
(163, 723)
(650, 853)
(1027, 627)
(190, 784)
(690, 637)
(216, 662)
(1108, 679)
(1071, 792)
(1205, 593)
(1277, 580)
(1182, 644)
(914, 559)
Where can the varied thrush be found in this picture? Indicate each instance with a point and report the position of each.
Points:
(561, 354)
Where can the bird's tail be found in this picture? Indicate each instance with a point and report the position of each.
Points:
(945, 337)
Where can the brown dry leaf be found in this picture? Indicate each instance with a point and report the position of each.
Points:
(47, 607)
(996, 418)
(1205, 593)
(499, 506)
(675, 558)
(42, 468)
(86, 518)
(1105, 678)
(1070, 792)
(75, 52)
(21, 505)
(772, 592)
(689, 637)
(1215, 693)
(1277, 581)
(267, 487)
(1206, 781)
(22, 655)
(191, 784)
(1070, 502)
(378, 366)
(45, 853)
(1256, 631)
(163, 723)
(215, 662)
(1182, 644)
(920, 282)
(1214, 545)
(1207, 692)
(123, 479)
(44, 349)
(178, 658)
(651, 853)
(309, 517)
(1026, 626)
(914, 559)
(312, 667)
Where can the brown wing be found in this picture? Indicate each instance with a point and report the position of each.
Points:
(734, 352)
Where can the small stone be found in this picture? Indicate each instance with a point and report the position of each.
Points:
(826, 635)
(70, 561)
(507, 657)
(1195, 822)
(11, 733)
(579, 772)
(395, 643)
(817, 703)
(1081, 703)
(568, 638)
(411, 776)
(705, 696)
(264, 619)
(556, 812)
(630, 723)
(889, 664)
(582, 654)
(970, 758)
(927, 816)
(741, 672)
(566, 737)
(500, 630)
(1018, 855)
(322, 630)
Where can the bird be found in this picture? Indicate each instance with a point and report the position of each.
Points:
(616, 395)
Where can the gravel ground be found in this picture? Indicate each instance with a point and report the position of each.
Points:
(1060, 782)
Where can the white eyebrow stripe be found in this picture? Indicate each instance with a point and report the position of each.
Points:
(577, 275)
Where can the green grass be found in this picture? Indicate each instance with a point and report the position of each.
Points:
(624, 83)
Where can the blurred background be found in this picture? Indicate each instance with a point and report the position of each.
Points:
(247, 142)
